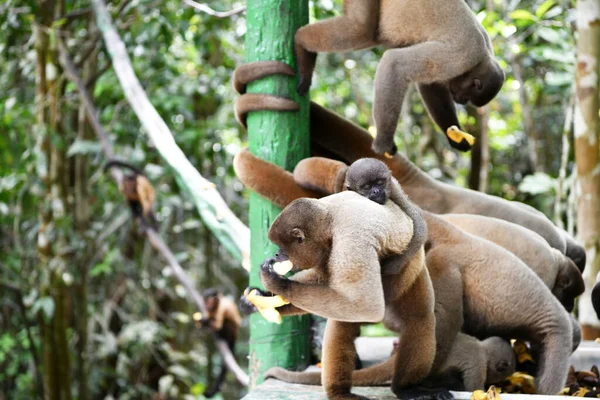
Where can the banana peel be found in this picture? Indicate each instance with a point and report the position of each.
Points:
(520, 383)
(266, 305)
(522, 352)
(457, 136)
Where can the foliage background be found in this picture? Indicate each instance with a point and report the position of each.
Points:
(140, 339)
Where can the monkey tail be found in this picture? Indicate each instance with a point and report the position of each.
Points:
(121, 164)
(216, 387)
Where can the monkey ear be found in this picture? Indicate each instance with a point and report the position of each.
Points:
(477, 83)
(298, 234)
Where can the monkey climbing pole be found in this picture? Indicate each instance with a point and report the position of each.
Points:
(281, 138)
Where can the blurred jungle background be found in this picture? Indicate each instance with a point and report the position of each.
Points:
(83, 298)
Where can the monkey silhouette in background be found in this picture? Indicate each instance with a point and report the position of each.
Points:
(437, 44)
(224, 317)
(138, 191)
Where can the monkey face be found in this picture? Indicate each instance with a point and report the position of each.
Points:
(502, 361)
(370, 178)
(479, 85)
(569, 284)
(303, 233)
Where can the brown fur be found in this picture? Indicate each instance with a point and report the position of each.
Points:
(437, 44)
(224, 317)
(472, 277)
(372, 179)
(476, 363)
(138, 191)
(336, 137)
(340, 269)
(555, 269)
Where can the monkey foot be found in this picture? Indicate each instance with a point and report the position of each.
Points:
(247, 102)
(265, 303)
(458, 139)
(420, 393)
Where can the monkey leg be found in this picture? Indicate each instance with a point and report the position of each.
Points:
(427, 63)
(416, 349)
(339, 354)
(440, 106)
(355, 30)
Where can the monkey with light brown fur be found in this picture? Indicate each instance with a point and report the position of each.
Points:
(555, 269)
(339, 139)
(472, 278)
(438, 44)
(339, 269)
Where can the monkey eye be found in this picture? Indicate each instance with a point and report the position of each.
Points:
(348, 188)
(502, 366)
(477, 83)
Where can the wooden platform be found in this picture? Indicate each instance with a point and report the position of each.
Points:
(373, 350)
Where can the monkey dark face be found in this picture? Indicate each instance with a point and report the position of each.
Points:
(302, 232)
(370, 178)
(211, 299)
(502, 361)
(569, 284)
(479, 85)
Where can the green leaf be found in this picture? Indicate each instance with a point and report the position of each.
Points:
(522, 15)
(544, 7)
(537, 183)
(549, 35)
(84, 147)
(46, 305)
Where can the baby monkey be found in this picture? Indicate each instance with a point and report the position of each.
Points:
(372, 179)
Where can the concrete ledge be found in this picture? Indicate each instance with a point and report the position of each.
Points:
(373, 350)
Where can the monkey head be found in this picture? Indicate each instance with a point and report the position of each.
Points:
(370, 178)
(479, 85)
(501, 359)
(303, 233)
(596, 297)
(569, 282)
(211, 299)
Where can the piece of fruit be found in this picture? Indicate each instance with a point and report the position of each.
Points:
(283, 267)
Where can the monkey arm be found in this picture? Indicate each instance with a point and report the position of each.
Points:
(268, 180)
(426, 63)
(440, 106)
(354, 30)
(321, 175)
(344, 301)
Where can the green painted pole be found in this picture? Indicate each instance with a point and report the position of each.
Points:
(281, 138)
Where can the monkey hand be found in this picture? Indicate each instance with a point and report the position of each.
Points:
(380, 147)
(271, 279)
(265, 303)
(458, 139)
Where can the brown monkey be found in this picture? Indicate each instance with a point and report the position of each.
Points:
(335, 137)
(339, 269)
(138, 191)
(372, 179)
(483, 283)
(555, 269)
(470, 365)
(596, 297)
(224, 317)
(438, 44)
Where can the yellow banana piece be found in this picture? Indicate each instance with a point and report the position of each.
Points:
(456, 135)
(266, 305)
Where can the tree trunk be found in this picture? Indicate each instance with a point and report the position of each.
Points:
(280, 138)
(586, 153)
(480, 153)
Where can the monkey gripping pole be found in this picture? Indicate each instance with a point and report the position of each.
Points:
(281, 138)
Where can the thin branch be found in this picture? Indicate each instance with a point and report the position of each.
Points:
(72, 15)
(153, 237)
(92, 79)
(218, 14)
